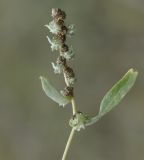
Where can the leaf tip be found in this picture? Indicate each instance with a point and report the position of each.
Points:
(133, 71)
(41, 78)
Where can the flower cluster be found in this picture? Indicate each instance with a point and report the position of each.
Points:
(58, 42)
(79, 121)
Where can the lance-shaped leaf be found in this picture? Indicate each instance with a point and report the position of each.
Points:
(52, 93)
(117, 92)
(115, 95)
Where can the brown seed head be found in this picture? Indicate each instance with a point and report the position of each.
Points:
(64, 30)
(61, 61)
(69, 72)
(68, 91)
(60, 22)
(64, 48)
(58, 14)
(61, 37)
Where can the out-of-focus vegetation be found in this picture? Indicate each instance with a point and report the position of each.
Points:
(109, 40)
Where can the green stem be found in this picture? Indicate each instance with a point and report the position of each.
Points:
(73, 106)
(68, 144)
(72, 132)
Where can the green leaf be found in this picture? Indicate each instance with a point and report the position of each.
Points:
(117, 92)
(115, 95)
(52, 93)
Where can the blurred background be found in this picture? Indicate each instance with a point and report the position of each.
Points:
(109, 40)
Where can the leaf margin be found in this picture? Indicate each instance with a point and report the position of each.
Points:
(52, 93)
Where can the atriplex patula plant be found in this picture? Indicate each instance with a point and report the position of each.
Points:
(79, 120)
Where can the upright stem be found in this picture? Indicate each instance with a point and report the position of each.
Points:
(68, 144)
(72, 132)
(73, 106)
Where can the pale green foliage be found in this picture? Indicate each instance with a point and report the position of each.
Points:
(71, 30)
(52, 93)
(55, 44)
(71, 80)
(57, 68)
(53, 27)
(110, 100)
(69, 54)
(116, 94)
